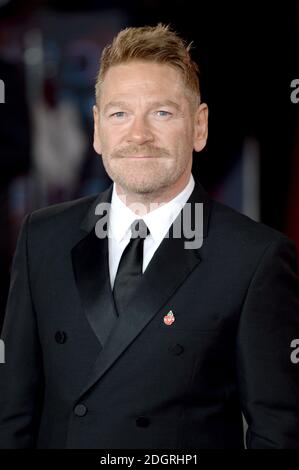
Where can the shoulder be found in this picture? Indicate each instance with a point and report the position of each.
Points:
(232, 220)
(239, 233)
(61, 221)
(62, 211)
(241, 246)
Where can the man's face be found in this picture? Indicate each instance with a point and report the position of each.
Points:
(145, 129)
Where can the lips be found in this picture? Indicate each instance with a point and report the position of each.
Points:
(140, 156)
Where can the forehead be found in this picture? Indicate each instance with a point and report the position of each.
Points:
(142, 79)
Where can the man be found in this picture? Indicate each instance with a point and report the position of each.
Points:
(120, 335)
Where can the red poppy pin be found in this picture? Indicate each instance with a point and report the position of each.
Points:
(169, 318)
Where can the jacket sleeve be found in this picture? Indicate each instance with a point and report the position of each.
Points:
(268, 378)
(21, 376)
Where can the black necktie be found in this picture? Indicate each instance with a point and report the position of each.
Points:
(129, 269)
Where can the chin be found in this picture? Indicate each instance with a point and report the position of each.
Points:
(142, 186)
(145, 181)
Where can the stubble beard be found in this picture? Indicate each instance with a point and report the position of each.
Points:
(141, 177)
(144, 177)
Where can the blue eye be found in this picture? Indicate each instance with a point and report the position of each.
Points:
(118, 114)
(163, 113)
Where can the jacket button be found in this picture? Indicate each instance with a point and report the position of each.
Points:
(177, 349)
(80, 410)
(142, 422)
(60, 337)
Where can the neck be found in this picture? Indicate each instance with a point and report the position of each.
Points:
(143, 203)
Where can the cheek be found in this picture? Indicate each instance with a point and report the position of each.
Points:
(111, 138)
(181, 141)
(179, 135)
(105, 141)
(97, 142)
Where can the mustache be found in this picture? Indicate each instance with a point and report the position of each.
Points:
(135, 150)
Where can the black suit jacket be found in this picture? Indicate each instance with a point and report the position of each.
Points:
(70, 381)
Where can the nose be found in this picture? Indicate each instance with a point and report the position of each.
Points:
(140, 131)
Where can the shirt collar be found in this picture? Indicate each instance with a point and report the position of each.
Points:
(158, 220)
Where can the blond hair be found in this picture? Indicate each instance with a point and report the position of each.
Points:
(151, 44)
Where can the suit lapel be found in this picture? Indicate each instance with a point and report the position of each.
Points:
(168, 269)
(91, 269)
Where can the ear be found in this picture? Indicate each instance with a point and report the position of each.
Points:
(96, 137)
(200, 127)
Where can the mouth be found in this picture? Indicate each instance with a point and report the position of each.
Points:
(141, 157)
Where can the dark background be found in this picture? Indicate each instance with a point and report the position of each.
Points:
(248, 56)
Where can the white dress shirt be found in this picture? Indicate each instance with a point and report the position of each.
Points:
(157, 220)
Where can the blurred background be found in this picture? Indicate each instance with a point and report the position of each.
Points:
(49, 56)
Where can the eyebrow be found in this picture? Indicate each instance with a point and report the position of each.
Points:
(166, 103)
(114, 104)
(123, 104)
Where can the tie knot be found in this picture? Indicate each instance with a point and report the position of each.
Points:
(139, 229)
